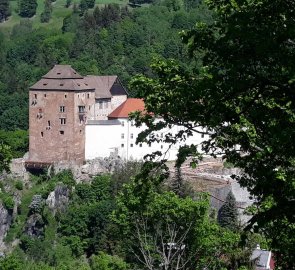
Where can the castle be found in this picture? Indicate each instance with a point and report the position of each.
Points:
(74, 118)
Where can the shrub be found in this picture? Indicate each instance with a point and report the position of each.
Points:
(19, 185)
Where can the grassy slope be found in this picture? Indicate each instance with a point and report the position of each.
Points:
(58, 14)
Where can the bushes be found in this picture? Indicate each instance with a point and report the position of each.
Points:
(7, 201)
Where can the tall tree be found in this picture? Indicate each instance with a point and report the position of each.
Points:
(228, 213)
(243, 93)
(4, 10)
(27, 8)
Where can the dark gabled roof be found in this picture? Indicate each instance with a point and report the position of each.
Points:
(128, 106)
(106, 86)
(62, 78)
(62, 72)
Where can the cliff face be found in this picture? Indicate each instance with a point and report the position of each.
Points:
(5, 222)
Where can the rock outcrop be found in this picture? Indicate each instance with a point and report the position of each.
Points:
(5, 222)
(58, 199)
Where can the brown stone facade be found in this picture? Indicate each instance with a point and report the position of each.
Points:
(57, 125)
(60, 104)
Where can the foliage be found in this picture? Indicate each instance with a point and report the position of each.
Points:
(167, 232)
(228, 213)
(46, 14)
(242, 93)
(4, 10)
(27, 8)
(104, 261)
(7, 200)
(19, 185)
(5, 157)
(17, 140)
(10, 263)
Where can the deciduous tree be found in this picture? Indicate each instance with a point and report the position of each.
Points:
(243, 93)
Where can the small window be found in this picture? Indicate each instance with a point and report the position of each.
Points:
(100, 105)
(202, 136)
(61, 109)
(140, 145)
(65, 96)
(49, 123)
(58, 73)
(132, 123)
(62, 121)
(87, 94)
(44, 95)
(161, 146)
(106, 105)
(122, 136)
(35, 96)
(61, 132)
(89, 108)
(131, 145)
(122, 123)
(42, 134)
(40, 110)
(131, 136)
(122, 145)
(161, 135)
(78, 96)
(81, 109)
(80, 131)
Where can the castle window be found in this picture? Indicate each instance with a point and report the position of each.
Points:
(89, 108)
(81, 109)
(131, 135)
(65, 96)
(122, 123)
(122, 145)
(87, 94)
(61, 109)
(161, 146)
(62, 121)
(122, 136)
(61, 132)
(132, 123)
(42, 134)
(140, 145)
(202, 136)
(35, 96)
(131, 145)
(48, 123)
(44, 95)
(100, 105)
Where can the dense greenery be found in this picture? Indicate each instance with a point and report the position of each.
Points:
(242, 92)
(124, 220)
(27, 8)
(4, 10)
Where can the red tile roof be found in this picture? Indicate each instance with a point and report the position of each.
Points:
(130, 105)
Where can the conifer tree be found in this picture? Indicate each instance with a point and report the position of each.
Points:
(4, 10)
(46, 14)
(27, 8)
(228, 213)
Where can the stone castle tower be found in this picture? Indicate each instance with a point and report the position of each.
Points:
(58, 108)
(60, 105)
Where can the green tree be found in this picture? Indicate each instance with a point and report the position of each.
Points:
(27, 8)
(4, 10)
(242, 92)
(163, 231)
(46, 14)
(228, 213)
(5, 157)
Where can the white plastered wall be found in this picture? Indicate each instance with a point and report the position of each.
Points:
(104, 139)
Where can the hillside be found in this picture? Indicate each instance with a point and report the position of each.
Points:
(59, 12)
